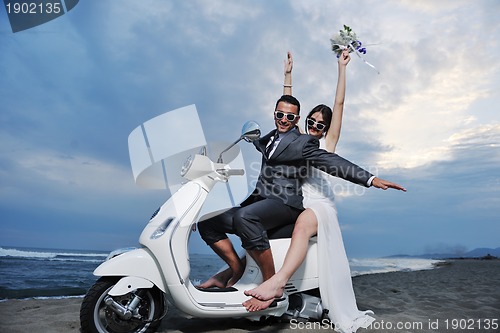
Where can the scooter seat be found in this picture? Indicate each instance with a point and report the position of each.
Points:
(284, 231)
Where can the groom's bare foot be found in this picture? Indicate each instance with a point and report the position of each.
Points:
(253, 304)
(223, 279)
(235, 277)
(219, 280)
(268, 290)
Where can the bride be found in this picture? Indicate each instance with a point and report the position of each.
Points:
(319, 218)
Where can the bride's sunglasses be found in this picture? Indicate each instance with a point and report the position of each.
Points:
(289, 116)
(312, 123)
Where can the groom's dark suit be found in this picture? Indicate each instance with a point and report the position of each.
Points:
(277, 199)
(283, 173)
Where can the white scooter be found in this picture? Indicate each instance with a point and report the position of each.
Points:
(137, 285)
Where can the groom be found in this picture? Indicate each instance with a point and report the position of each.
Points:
(287, 156)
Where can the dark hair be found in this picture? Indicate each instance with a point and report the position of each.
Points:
(290, 100)
(326, 112)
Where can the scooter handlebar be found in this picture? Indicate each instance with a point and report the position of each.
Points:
(232, 172)
(235, 172)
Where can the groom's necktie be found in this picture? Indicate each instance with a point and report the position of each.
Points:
(270, 148)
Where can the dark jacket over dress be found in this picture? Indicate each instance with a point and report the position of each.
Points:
(283, 173)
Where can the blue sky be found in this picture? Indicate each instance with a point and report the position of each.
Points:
(74, 88)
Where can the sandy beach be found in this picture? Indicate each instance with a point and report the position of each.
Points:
(458, 296)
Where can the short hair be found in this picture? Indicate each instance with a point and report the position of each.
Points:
(290, 100)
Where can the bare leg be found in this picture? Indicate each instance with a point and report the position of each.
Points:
(305, 227)
(224, 248)
(266, 263)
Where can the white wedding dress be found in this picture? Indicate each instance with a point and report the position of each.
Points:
(335, 284)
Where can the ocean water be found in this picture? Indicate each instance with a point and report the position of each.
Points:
(385, 265)
(31, 272)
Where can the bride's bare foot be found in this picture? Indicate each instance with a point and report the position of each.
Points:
(268, 290)
(253, 304)
(219, 280)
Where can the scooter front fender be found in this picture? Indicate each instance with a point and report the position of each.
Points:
(128, 284)
(136, 263)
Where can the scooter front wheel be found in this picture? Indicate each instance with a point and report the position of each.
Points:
(136, 312)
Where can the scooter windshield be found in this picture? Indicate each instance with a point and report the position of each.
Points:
(159, 147)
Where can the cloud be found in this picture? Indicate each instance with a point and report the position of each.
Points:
(429, 81)
(449, 202)
(47, 177)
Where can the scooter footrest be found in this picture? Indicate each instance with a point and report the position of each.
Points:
(276, 301)
(218, 290)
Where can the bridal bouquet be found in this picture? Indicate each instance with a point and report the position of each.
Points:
(346, 39)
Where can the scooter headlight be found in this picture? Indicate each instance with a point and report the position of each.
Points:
(187, 165)
(161, 228)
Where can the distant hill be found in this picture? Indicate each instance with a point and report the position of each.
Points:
(481, 252)
(476, 253)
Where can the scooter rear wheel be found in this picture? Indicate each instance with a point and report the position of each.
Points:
(97, 317)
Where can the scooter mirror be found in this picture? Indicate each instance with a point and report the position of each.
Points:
(250, 131)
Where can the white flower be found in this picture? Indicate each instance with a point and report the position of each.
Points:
(346, 39)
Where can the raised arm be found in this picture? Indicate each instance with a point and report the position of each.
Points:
(333, 134)
(287, 84)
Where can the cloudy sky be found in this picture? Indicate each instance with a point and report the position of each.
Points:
(74, 88)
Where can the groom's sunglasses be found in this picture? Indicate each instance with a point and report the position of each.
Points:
(312, 123)
(289, 116)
